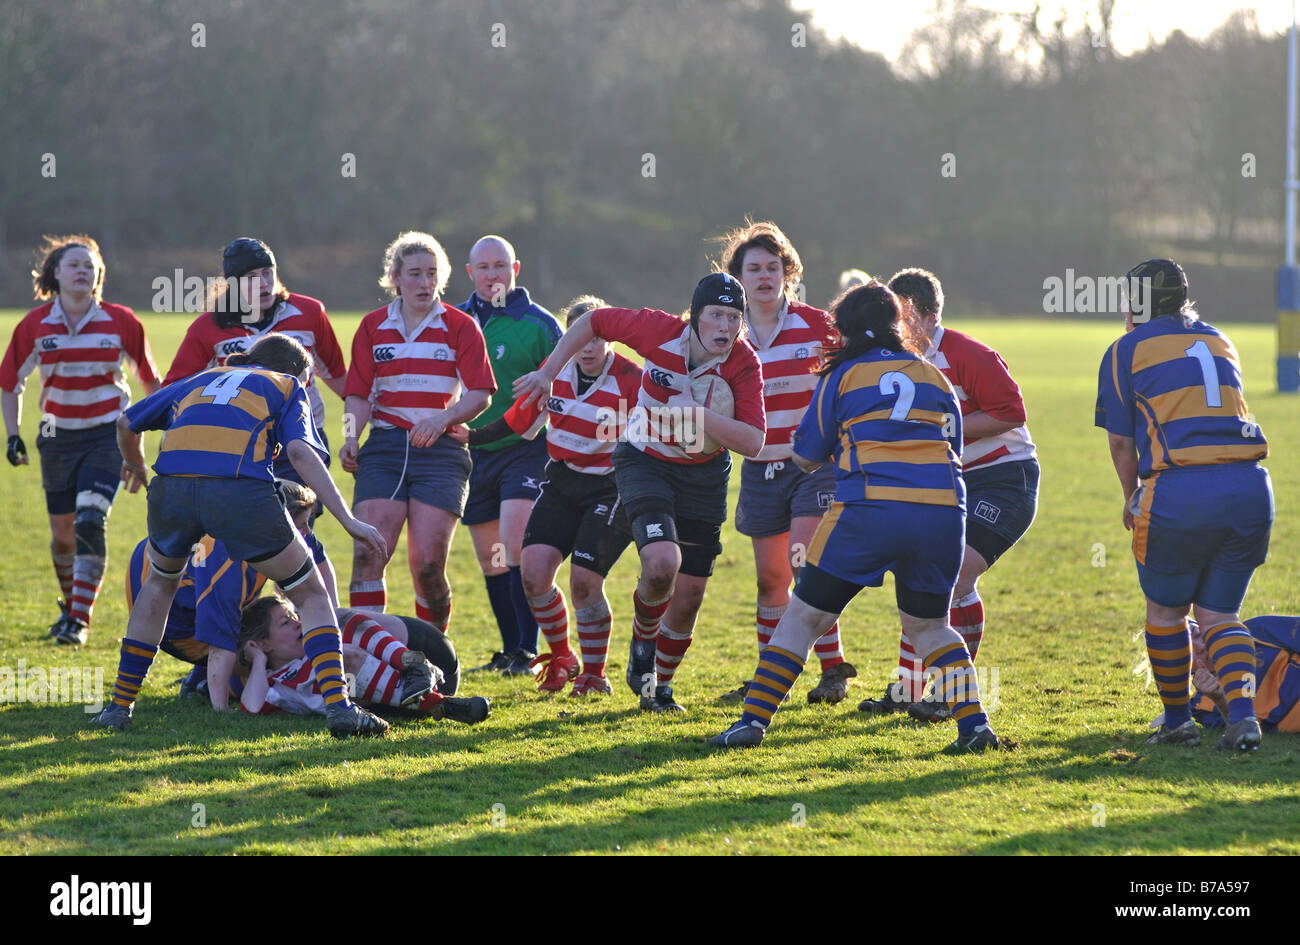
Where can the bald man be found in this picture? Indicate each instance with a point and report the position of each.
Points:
(507, 473)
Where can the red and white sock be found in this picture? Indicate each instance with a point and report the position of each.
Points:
(376, 681)
(366, 633)
(368, 595)
(422, 610)
(593, 636)
(672, 646)
(766, 621)
(552, 618)
(828, 648)
(967, 618)
(87, 575)
(63, 570)
(647, 614)
(911, 671)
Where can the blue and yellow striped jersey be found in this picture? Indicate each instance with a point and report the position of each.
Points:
(226, 423)
(1175, 388)
(892, 424)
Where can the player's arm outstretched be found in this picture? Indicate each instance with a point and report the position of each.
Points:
(317, 478)
(537, 384)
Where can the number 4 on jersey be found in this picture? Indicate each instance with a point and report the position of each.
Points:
(226, 387)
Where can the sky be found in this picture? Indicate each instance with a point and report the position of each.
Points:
(884, 25)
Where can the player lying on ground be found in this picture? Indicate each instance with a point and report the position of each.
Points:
(1276, 686)
(673, 483)
(780, 504)
(385, 670)
(892, 426)
(203, 622)
(579, 511)
(214, 478)
(81, 344)
(418, 367)
(998, 463)
(1186, 450)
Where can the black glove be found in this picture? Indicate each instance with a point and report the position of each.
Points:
(16, 451)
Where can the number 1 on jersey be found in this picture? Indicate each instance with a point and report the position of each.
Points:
(1209, 373)
(898, 381)
(225, 388)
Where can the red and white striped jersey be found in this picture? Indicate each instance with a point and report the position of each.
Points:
(664, 341)
(789, 359)
(980, 379)
(406, 378)
(82, 382)
(207, 345)
(582, 429)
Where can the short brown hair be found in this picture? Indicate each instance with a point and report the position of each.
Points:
(44, 284)
(920, 287)
(762, 235)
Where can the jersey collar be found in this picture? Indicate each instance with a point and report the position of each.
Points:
(58, 316)
(395, 320)
(934, 345)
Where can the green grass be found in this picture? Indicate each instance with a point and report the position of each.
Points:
(600, 777)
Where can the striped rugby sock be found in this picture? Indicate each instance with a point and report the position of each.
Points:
(828, 648)
(63, 569)
(366, 633)
(647, 614)
(1169, 650)
(594, 624)
(765, 622)
(911, 671)
(87, 576)
(776, 673)
(552, 616)
(368, 595)
(669, 650)
(956, 685)
(324, 648)
(1232, 653)
(967, 618)
(378, 682)
(132, 667)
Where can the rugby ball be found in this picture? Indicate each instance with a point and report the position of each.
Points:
(711, 391)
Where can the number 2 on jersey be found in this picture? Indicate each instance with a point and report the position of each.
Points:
(898, 381)
(226, 387)
(1209, 373)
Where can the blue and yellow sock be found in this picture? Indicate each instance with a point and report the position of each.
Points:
(324, 647)
(1169, 650)
(955, 683)
(1232, 654)
(132, 668)
(777, 670)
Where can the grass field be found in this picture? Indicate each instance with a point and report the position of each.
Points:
(553, 775)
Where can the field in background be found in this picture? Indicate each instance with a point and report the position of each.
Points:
(554, 775)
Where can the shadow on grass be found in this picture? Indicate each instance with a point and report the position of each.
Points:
(433, 788)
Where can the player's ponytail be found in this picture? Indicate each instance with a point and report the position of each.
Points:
(869, 316)
(275, 352)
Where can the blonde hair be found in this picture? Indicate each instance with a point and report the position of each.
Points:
(408, 244)
(576, 308)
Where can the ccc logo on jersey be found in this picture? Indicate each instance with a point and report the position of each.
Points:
(386, 353)
(555, 405)
(662, 378)
(231, 347)
(49, 344)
